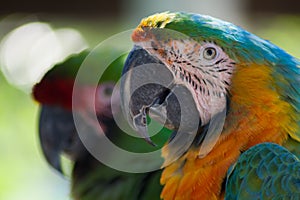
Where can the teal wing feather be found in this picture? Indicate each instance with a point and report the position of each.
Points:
(265, 171)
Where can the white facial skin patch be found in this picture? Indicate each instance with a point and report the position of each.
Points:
(204, 68)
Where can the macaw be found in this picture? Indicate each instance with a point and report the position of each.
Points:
(232, 99)
(58, 134)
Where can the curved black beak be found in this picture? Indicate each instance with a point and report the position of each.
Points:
(57, 133)
(148, 89)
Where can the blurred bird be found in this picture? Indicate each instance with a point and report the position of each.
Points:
(59, 134)
(239, 98)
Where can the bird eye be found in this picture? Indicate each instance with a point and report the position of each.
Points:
(105, 91)
(209, 53)
(108, 91)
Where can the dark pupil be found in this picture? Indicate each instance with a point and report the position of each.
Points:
(108, 91)
(209, 52)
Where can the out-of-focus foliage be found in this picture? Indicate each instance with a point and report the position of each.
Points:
(23, 172)
(283, 31)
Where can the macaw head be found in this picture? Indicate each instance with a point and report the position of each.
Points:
(58, 133)
(208, 68)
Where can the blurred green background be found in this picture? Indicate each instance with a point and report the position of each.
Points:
(23, 172)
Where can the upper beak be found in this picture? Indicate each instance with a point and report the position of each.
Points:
(57, 133)
(148, 88)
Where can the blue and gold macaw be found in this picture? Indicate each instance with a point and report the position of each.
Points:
(237, 93)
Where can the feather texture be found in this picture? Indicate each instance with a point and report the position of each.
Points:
(264, 107)
(265, 171)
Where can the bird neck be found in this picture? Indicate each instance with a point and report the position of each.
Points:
(257, 114)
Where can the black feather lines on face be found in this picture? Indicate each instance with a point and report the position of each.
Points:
(197, 83)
